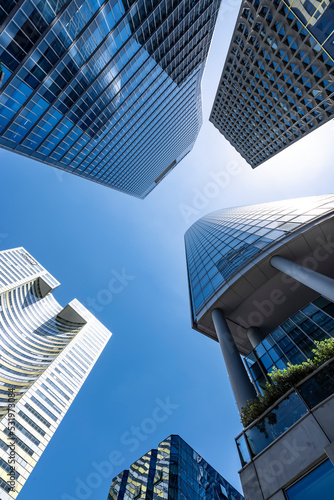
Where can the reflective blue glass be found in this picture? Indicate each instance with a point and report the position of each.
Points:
(293, 341)
(317, 484)
(222, 244)
(275, 423)
(174, 471)
(120, 79)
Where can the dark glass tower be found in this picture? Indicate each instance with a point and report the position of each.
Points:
(174, 471)
(108, 90)
(277, 81)
(261, 284)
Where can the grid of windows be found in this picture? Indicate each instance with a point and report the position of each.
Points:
(44, 408)
(28, 434)
(173, 471)
(32, 423)
(31, 333)
(4, 485)
(276, 85)
(37, 338)
(37, 415)
(109, 90)
(293, 341)
(20, 443)
(222, 243)
(317, 16)
(4, 465)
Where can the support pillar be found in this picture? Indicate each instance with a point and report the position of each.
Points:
(316, 281)
(254, 336)
(241, 385)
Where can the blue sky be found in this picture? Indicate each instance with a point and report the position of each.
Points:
(156, 376)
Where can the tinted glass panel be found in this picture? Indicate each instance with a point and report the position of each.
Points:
(317, 484)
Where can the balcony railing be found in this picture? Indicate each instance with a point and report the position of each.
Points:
(310, 392)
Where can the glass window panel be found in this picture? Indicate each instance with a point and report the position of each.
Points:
(319, 483)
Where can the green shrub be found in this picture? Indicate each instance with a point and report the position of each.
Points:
(284, 380)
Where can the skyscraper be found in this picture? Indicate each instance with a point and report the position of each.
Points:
(173, 471)
(277, 81)
(261, 284)
(47, 352)
(108, 90)
(317, 17)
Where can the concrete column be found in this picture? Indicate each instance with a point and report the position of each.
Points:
(241, 384)
(316, 281)
(254, 336)
(329, 450)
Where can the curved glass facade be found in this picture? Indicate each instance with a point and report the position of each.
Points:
(47, 353)
(222, 243)
(109, 90)
(173, 471)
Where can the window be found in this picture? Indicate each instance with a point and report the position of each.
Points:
(223, 492)
(137, 492)
(27, 433)
(37, 415)
(319, 483)
(158, 476)
(48, 412)
(32, 423)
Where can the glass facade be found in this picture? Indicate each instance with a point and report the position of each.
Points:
(47, 352)
(317, 16)
(293, 341)
(173, 472)
(319, 483)
(108, 90)
(221, 244)
(277, 81)
(304, 398)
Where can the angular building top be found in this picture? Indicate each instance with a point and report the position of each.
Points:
(108, 90)
(47, 352)
(277, 81)
(228, 254)
(173, 471)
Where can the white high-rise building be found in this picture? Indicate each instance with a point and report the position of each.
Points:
(46, 354)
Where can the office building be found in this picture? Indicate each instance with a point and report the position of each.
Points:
(317, 17)
(47, 352)
(173, 471)
(108, 90)
(261, 284)
(277, 81)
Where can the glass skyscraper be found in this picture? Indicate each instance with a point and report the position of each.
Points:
(277, 81)
(47, 352)
(261, 283)
(317, 17)
(221, 244)
(174, 471)
(108, 90)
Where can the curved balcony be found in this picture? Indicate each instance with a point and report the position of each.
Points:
(286, 412)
